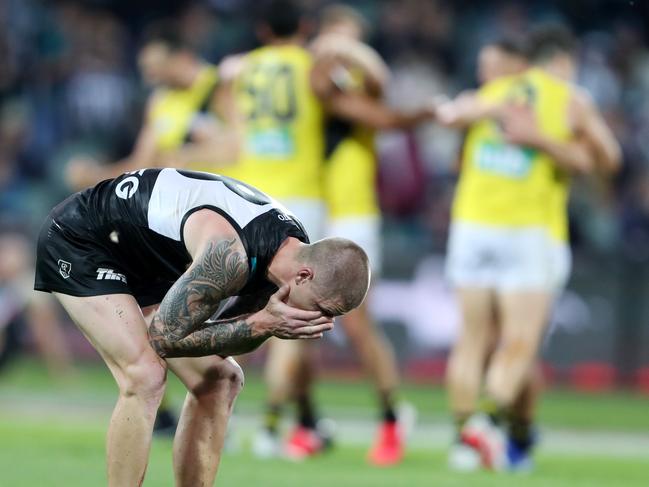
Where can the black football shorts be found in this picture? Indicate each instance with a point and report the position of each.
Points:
(71, 260)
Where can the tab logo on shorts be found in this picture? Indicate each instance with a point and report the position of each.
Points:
(110, 275)
(64, 268)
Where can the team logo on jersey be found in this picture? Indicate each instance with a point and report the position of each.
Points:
(109, 275)
(64, 268)
(128, 186)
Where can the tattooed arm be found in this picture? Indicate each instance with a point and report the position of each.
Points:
(218, 272)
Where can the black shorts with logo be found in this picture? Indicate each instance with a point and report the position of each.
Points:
(71, 259)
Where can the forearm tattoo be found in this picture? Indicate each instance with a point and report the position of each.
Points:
(223, 338)
(219, 272)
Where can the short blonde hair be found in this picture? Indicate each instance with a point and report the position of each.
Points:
(341, 272)
(339, 12)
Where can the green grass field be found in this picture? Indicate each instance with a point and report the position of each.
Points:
(52, 434)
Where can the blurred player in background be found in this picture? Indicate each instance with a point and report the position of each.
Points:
(508, 251)
(183, 120)
(285, 96)
(502, 57)
(353, 212)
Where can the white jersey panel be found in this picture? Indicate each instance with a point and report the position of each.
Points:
(173, 195)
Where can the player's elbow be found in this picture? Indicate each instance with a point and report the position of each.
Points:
(161, 342)
(613, 162)
(583, 166)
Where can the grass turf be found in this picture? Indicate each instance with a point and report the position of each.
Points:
(46, 454)
(38, 447)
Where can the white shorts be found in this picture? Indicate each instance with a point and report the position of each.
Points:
(506, 259)
(312, 213)
(363, 230)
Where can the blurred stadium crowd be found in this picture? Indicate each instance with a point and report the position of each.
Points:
(69, 85)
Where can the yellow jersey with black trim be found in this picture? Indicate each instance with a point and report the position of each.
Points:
(512, 186)
(282, 124)
(350, 176)
(351, 166)
(173, 112)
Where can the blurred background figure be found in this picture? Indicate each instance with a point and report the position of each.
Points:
(181, 126)
(307, 131)
(508, 254)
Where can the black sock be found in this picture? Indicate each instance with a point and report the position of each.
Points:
(460, 420)
(521, 432)
(497, 414)
(388, 412)
(306, 412)
(272, 417)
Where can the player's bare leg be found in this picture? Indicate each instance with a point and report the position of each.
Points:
(283, 362)
(115, 327)
(374, 352)
(378, 360)
(524, 316)
(213, 384)
(466, 363)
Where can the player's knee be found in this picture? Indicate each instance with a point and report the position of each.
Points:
(144, 377)
(521, 346)
(225, 377)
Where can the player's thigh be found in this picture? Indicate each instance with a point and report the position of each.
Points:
(201, 375)
(115, 326)
(478, 311)
(524, 314)
(529, 284)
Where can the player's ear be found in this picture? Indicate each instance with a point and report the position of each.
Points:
(304, 275)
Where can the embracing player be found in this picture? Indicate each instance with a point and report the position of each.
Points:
(508, 251)
(285, 95)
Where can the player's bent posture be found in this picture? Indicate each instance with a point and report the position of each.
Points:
(200, 246)
(508, 250)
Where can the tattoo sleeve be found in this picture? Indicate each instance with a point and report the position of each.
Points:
(224, 338)
(219, 272)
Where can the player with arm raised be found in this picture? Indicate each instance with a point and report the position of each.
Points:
(180, 247)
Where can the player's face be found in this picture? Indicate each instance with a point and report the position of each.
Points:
(564, 67)
(494, 62)
(154, 62)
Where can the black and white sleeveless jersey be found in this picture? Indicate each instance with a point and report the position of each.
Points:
(135, 223)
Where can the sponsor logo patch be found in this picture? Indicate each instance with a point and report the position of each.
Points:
(64, 268)
(110, 275)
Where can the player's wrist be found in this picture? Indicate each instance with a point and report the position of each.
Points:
(261, 324)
